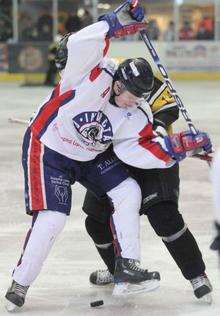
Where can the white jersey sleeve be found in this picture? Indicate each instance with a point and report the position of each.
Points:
(86, 50)
(144, 154)
(137, 145)
(215, 175)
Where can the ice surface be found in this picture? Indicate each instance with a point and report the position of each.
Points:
(62, 287)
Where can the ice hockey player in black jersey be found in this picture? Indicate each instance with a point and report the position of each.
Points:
(160, 194)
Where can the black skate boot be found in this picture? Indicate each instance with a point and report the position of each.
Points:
(15, 296)
(101, 277)
(215, 245)
(202, 288)
(129, 278)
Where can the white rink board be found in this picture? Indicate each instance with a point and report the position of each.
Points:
(176, 56)
(63, 287)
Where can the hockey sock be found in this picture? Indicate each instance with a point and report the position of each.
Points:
(102, 238)
(125, 221)
(187, 255)
(108, 256)
(46, 228)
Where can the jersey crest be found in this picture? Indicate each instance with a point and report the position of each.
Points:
(93, 128)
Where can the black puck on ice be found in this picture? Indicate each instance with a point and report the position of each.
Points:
(97, 303)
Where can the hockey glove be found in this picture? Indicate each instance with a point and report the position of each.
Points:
(125, 20)
(178, 145)
(62, 53)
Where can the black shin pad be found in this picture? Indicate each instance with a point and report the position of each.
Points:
(187, 255)
(168, 222)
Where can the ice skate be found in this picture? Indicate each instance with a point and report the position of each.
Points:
(15, 296)
(215, 245)
(129, 278)
(101, 277)
(202, 288)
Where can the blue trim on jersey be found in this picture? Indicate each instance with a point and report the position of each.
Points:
(43, 106)
(108, 72)
(142, 110)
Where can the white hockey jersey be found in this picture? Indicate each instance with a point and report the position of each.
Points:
(78, 121)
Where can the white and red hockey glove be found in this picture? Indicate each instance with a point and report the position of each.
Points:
(178, 145)
(125, 20)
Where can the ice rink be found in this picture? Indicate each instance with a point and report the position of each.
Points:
(62, 287)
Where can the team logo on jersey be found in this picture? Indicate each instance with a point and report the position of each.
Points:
(93, 127)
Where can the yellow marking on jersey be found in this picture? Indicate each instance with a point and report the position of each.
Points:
(163, 99)
(169, 130)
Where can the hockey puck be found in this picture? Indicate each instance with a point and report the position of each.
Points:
(97, 303)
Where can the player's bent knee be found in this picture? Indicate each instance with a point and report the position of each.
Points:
(46, 228)
(50, 221)
(166, 220)
(134, 194)
(99, 232)
(128, 191)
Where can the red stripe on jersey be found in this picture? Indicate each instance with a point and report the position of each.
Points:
(155, 148)
(147, 132)
(107, 43)
(48, 110)
(37, 202)
(95, 73)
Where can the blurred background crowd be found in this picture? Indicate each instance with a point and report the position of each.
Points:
(30, 31)
(170, 20)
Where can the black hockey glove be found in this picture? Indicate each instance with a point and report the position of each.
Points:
(62, 53)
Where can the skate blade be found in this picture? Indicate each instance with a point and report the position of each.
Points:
(124, 289)
(207, 299)
(108, 285)
(11, 308)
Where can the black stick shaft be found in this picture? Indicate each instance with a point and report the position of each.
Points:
(168, 81)
(173, 91)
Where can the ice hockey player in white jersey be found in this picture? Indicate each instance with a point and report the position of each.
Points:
(215, 176)
(67, 141)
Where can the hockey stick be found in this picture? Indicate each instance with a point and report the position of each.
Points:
(173, 92)
(205, 157)
(18, 121)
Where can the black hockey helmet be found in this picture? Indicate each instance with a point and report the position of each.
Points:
(137, 76)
